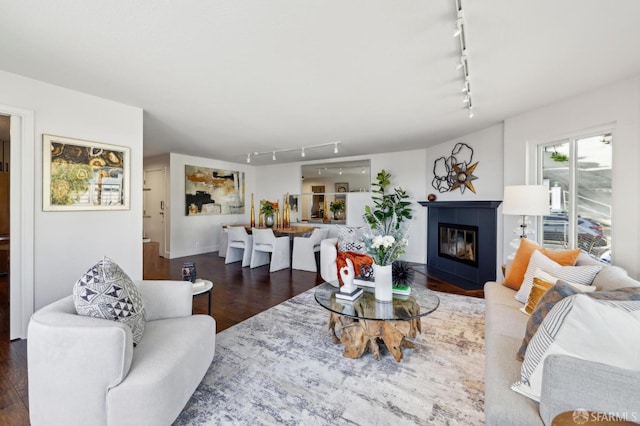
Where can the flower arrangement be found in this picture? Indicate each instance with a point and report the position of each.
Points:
(268, 207)
(386, 238)
(336, 206)
(386, 246)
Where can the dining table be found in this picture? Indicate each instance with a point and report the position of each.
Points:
(292, 231)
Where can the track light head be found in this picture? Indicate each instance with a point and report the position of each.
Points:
(335, 147)
(302, 154)
(273, 156)
(248, 158)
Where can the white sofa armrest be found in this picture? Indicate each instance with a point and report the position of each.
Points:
(569, 383)
(165, 299)
(65, 349)
(328, 256)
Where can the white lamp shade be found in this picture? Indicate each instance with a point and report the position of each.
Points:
(526, 200)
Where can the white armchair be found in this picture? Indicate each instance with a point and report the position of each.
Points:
(85, 371)
(239, 245)
(265, 242)
(305, 249)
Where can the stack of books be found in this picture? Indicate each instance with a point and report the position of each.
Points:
(349, 296)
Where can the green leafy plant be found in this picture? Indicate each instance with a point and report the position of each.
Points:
(559, 157)
(336, 206)
(387, 204)
(268, 207)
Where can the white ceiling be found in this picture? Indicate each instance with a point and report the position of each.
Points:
(219, 79)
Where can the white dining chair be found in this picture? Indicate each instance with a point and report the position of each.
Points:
(266, 245)
(305, 249)
(239, 245)
(224, 242)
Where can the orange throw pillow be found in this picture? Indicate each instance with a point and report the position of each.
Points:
(516, 272)
(357, 259)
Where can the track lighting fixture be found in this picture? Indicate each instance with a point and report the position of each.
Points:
(463, 64)
(458, 30)
(303, 149)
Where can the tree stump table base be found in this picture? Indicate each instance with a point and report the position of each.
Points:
(360, 335)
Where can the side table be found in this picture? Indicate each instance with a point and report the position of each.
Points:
(201, 286)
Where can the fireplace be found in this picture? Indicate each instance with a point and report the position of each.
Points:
(459, 243)
(462, 242)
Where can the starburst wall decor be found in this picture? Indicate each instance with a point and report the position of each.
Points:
(455, 171)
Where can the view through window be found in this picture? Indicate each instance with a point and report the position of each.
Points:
(578, 174)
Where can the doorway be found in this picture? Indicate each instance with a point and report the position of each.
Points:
(5, 210)
(154, 207)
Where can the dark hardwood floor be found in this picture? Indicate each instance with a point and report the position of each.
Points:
(238, 293)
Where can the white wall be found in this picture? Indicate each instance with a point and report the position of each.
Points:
(68, 243)
(200, 234)
(407, 171)
(617, 104)
(487, 145)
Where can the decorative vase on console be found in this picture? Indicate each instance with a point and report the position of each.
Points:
(269, 220)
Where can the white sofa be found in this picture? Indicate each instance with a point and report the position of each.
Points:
(568, 382)
(85, 371)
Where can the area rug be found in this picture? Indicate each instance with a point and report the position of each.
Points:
(281, 367)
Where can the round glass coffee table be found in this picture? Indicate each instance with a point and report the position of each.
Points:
(364, 322)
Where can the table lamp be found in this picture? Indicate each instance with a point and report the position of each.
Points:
(525, 200)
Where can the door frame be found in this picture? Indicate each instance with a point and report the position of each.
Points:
(163, 248)
(22, 213)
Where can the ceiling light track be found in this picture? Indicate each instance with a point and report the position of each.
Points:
(301, 149)
(463, 63)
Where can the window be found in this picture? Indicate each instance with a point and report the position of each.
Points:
(578, 174)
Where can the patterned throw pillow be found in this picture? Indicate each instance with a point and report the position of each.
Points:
(542, 282)
(351, 239)
(575, 274)
(557, 293)
(106, 291)
(604, 331)
(540, 286)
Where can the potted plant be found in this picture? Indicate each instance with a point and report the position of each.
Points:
(386, 238)
(337, 208)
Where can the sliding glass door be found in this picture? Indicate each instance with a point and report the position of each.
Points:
(578, 174)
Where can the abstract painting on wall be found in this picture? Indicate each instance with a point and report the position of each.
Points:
(84, 175)
(213, 191)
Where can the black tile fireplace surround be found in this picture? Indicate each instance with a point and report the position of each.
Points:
(480, 215)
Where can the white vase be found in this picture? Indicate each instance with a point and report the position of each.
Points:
(382, 276)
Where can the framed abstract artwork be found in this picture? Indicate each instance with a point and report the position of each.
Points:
(84, 175)
(213, 191)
